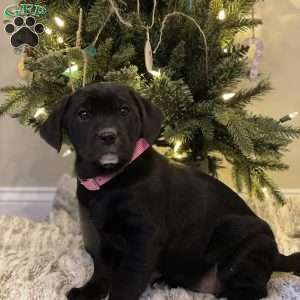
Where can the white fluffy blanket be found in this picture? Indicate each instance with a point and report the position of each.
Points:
(43, 261)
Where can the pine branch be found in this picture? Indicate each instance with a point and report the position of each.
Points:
(247, 5)
(240, 25)
(123, 57)
(266, 182)
(245, 96)
(97, 14)
(128, 76)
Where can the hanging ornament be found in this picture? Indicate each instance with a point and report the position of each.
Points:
(91, 50)
(259, 47)
(149, 57)
(190, 4)
(148, 54)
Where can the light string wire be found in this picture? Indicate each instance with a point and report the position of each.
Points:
(195, 23)
(118, 14)
(102, 27)
(253, 26)
(78, 46)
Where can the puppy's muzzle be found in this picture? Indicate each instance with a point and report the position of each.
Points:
(107, 136)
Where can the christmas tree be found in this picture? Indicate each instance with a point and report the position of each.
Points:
(180, 54)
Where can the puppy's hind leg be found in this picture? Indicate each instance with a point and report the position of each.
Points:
(246, 272)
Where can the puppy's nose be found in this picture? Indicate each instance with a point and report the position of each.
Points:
(107, 136)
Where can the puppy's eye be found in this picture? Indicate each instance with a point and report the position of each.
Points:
(124, 110)
(83, 115)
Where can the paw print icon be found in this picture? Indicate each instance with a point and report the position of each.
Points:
(24, 31)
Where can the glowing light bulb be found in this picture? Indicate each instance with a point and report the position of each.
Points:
(48, 31)
(39, 112)
(59, 22)
(155, 73)
(228, 96)
(293, 115)
(73, 68)
(60, 40)
(73, 71)
(265, 191)
(177, 146)
(225, 50)
(179, 155)
(289, 117)
(222, 15)
(67, 153)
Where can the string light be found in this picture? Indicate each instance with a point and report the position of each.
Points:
(265, 191)
(177, 146)
(156, 74)
(179, 155)
(73, 68)
(228, 96)
(39, 112)
(222, 15)
(289, 117)
(60, 40)
(59, 22)
(48, 31)
(293, 115)
(73, 71)
(67, 153)
(225, 50)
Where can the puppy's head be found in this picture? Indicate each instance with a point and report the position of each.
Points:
(103, 122)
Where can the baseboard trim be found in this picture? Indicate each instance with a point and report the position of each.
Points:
(291, 192)
(36, 202)
(31, 202)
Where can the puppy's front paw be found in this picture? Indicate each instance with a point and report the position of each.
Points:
(74, 294)
(86, 293)
(80, 294)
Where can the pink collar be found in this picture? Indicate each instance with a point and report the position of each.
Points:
(94, 184)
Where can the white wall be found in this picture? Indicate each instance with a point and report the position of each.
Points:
(280, 33)
(25, 160)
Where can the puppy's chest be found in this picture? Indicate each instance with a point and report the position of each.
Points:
(101, 219)
(108, 210)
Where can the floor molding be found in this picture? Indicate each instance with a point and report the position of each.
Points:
(291, 192)
(36, 202)
(33, 202)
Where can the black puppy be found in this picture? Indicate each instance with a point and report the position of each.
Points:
(150, 215)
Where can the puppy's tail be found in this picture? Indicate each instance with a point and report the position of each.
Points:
(289, 263)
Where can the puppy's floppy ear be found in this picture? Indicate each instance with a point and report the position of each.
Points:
(151, 118)
(52, 129)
